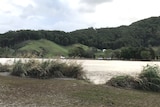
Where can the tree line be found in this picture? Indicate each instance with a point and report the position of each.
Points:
(144, 33)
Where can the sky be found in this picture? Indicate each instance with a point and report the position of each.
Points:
(70, 15)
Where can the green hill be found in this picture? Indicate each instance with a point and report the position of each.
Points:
(140, 37)
(143, 33)
(42, 47)
(77, 45)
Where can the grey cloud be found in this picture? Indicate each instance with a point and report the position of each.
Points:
(27, 12)
(48, 3)
(42, 14)
(86, 9)
(89, 6)
(52, 10)
(94, 2)
(47, 13)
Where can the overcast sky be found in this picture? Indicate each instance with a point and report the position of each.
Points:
(69, 15)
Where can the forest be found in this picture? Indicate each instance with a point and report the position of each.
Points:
(140, 40)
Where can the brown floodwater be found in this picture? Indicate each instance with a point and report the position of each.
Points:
(100, 71)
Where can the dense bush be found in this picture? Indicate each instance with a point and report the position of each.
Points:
(137, 53)
(123, 81)
(47, 69)
(150, 72)
(19, 69)
(5, 68)
(148, 79)
(74, 70)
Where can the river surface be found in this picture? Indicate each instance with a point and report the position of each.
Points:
(100, 71)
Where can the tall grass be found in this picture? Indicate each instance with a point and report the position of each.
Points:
(47, 69)
(18, 69)
(5, 68)
(125, 81)
(148, 79)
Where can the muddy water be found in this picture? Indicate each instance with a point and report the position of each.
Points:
(100, 71)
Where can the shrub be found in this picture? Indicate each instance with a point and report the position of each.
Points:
(35, 69)
(150, 72)
(19, 69)
(153, 85)
(150, 78)
(47, 69)
(55, 68)
(73, 70)
(5, 68)
(123, 81)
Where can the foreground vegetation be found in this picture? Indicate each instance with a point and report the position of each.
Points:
(44, 69)
(29, 92)
(148, 79)
(64, 92)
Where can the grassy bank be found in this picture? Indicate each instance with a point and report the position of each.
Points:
(29, 92)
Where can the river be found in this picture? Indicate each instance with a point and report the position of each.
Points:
(100, 71)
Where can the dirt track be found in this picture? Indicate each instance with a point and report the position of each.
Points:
(99, 71)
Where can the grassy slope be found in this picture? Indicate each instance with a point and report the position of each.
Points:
(78, 45)
(50, 48)
(70, 93)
